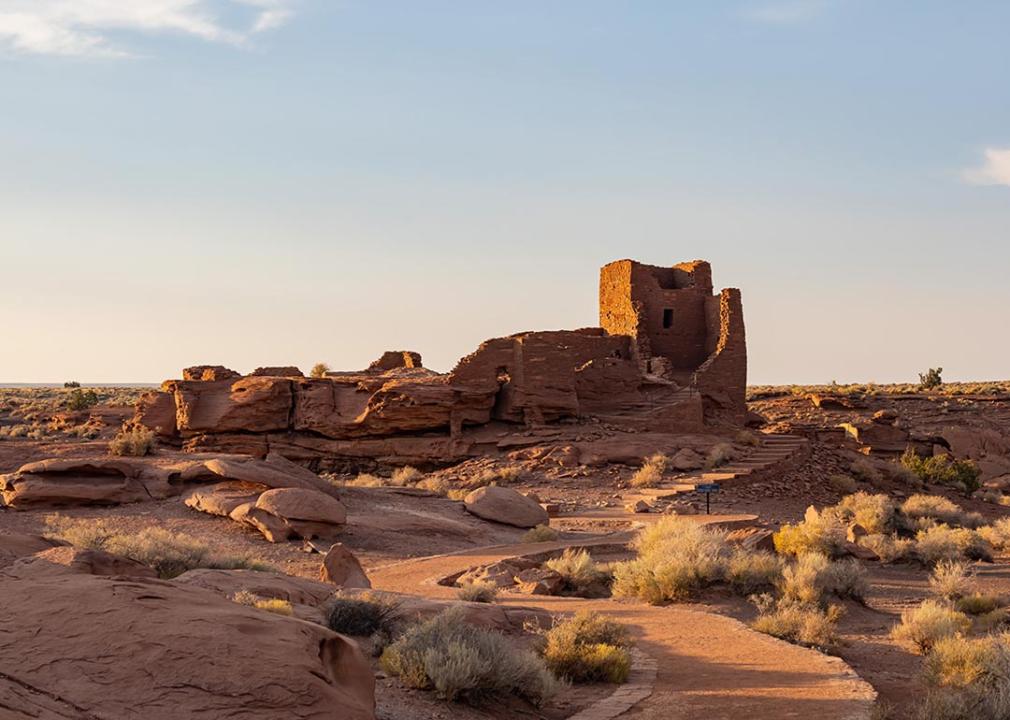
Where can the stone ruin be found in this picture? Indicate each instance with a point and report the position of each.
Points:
(669, 356)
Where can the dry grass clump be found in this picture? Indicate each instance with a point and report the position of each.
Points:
(170, 554)
(406, 475)
(135, 442)
(719, 455)
(466, 663)
(651, 472)
(968, 679)
(798, 623)
(588, 648)
(939, 509)
(942, 542)
(932, 621)
(944, 470)
(818, 532)
(889, 548)
(997, 534)
(540, 533)
(676, 559)
(274, 605)
(876, 513)
(951, 579)
(813, 576)
(581, 574)
(500, 475)
(751, 572)
(864, 470)
(319, 370)
(481, 591)
(365, 480)
(844, 484)
(978, 604)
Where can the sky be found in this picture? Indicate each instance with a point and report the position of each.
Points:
(276, 182)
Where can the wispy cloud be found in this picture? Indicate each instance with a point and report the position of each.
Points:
(83, 27)
(785, 12)
(994, 170)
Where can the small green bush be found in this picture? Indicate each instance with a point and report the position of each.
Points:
(931, 379)
(79, 399)
(462, 662)
(274, 605)
(751, 572)
(944, 470)
(977, 604)
(588, 648)
(843, 483)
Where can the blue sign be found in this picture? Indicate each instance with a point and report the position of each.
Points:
(707, 487)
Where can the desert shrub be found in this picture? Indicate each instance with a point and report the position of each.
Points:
(719, 456)
(751, 572)
(71, 384)
(864, 470)
(931, 379)
(988, 495)
(889, 548)
(441, 486)
(951, 579)
(366, 480)
(319, 370)
(406, 475)
(79, 399)
(588, 648)
(797, 623)
(676, 558)
(874, 512)
(463, 662)
(944, 470)
(925, 625)
(842, 483)
(274, 605)
(651, 472)
(578, 570)
(940, 509)
(362, 616)
(502, 475)
(977, 604)
(820, 533)
(541, 533)
(745, 437)
(942, 542)
(170, 554)
(968, 679)
(136, 442)
(813, 576)
(482, 591)
(997, 534)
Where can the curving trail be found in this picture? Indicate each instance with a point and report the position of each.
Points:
(708, 666)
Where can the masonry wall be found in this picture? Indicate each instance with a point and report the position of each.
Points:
(722, 378)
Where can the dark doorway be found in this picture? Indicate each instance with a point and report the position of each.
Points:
(667, 317)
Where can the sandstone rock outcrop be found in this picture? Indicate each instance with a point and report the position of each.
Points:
(69, 559)
(286, 513)
(19, 545)
(669, 356)
(111, 481)
(341, 567)
(162, 651)
(504, 505)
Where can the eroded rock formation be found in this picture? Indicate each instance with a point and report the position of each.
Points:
(669, 356)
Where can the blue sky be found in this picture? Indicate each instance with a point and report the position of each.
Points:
(257, 182)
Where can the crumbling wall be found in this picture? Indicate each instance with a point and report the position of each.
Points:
(722, 378)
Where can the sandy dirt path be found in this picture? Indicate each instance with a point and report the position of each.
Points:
(709, 666)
